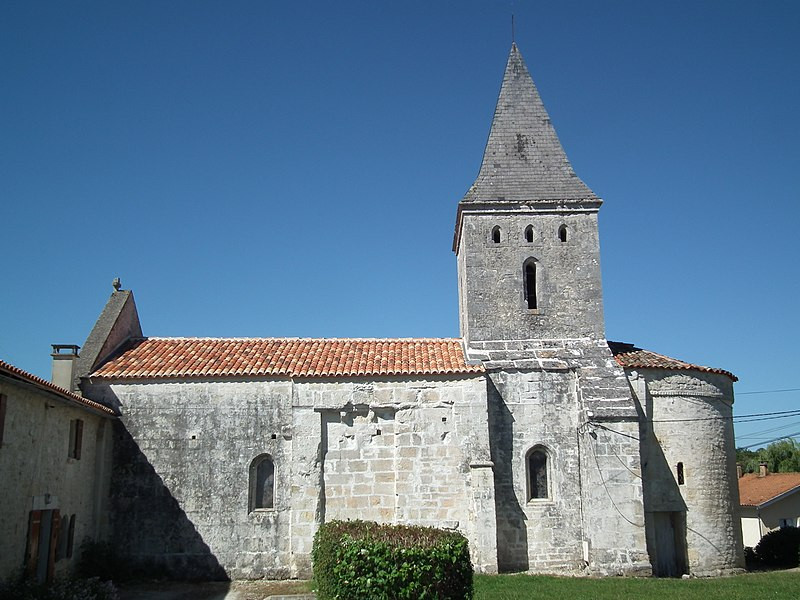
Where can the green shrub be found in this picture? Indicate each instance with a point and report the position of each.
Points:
(363, 560)
(780, 548)
(63, 588)
(750, 558)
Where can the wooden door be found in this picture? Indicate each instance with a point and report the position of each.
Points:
(40, 556)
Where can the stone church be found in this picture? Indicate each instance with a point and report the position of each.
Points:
(552, 449)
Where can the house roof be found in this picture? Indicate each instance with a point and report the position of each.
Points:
(163, 358)
(18, 374)
(630, 357)
(755, 490)
(524, 160)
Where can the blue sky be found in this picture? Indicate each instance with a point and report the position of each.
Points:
(293, 168)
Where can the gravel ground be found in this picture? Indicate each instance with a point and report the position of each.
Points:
(234, 590)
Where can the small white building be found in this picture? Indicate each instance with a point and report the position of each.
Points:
(769, 501)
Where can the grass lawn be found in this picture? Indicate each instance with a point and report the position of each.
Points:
(751, 586)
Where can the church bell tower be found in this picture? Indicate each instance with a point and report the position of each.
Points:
(526, 234)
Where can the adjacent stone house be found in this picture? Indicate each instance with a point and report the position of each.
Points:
(550, 448)
(769, 501)
(55, 458)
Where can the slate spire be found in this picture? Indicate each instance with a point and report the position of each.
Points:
(524, 161)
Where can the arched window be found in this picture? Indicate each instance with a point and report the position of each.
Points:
(537, 473)
(530, 283)
(262, 483)
(496, 234)
(562, 233)
(529, 234)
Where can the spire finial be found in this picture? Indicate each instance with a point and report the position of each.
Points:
(513, 41)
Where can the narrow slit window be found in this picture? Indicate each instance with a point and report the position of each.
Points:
(262, 483)
(537, 474)
(681, 476)
(496, 234)
(530, 284)
(529, 234)
(562, 233)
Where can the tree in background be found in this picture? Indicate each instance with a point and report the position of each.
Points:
(781, 457)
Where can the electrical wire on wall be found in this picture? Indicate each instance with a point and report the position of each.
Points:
(589, 428)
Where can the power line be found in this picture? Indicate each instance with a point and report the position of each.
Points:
(751, 418)
(766, 418)
(783, 437)
(757, 434)
(769, 391)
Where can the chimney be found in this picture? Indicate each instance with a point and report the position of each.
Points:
(65, 356)
(739, 471)
(762, 469)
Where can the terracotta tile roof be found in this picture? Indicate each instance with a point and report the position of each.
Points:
(159, 358)
(16, 373)
(630, 357)
(755, 490)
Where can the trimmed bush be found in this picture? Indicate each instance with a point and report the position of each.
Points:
(363, 560)
(780, 548)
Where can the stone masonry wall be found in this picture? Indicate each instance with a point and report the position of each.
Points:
(413, 451)
(184, 451)
(180, 487)
(569, 289)
(536, 408)
(689, 421)
(570, 397)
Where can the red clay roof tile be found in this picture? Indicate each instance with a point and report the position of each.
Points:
(755, 490)
(630, 357)
(162, 358)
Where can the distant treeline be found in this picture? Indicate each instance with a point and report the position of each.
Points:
(781, 457)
